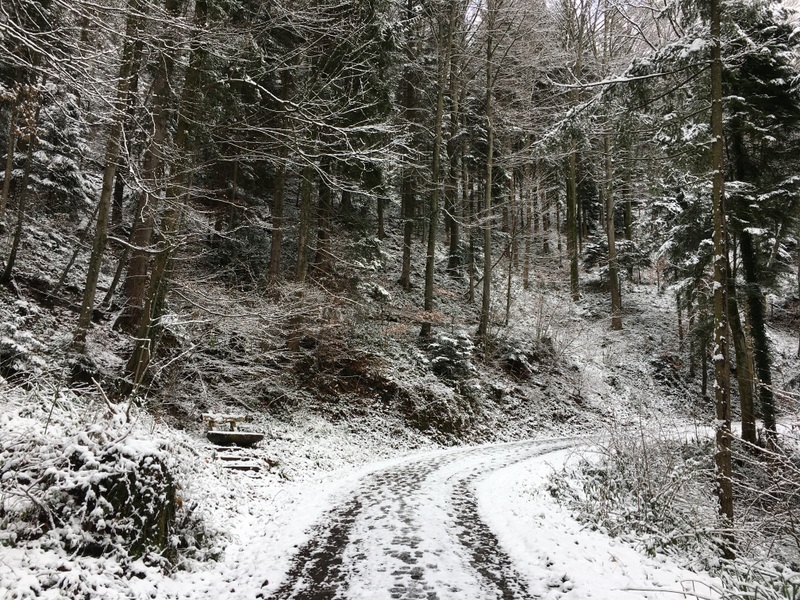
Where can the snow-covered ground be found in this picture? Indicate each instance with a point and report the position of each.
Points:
(553, 555)
(559, 555)
(265, 520)
(317, 474)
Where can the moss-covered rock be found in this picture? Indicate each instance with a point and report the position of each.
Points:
(92, 493)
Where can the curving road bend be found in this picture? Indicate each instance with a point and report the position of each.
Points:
(414, 532)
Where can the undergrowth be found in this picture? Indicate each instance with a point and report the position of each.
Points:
(77, 483)
(655, 491)
(651, 493)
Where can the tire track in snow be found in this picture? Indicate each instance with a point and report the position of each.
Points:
(317, 570)
(414, 532)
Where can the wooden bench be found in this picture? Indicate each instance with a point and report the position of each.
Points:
(215, 420)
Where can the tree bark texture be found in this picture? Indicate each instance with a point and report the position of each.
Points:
(21, 208)
(304, 224)
(408, 186)
(279, 194)
(483, 325)
(177, 194)
(277, 222)
(144, 219)
(758, 330)
(744, 371)
(572, 221)
(323, 261)
(433, 209)
(613, 269)
(720, 353)
(12, 140)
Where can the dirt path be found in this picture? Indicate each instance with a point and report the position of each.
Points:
(414, 531)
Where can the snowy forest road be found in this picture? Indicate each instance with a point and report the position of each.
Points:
(415, 531)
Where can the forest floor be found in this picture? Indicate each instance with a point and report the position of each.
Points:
(361, 392)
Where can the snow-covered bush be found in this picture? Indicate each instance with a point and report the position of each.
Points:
(655, 492)
(451, 356)
(629, 257)
(19, 349)
(242, 256)
(93, 493)
(521, 359)
(90, 501)
(57, 175)
(443, 408)
(435, 407)
(368, 254)
(758, 580)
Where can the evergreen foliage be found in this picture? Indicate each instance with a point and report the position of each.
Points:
(299, 157)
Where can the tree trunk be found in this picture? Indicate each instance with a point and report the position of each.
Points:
(531, 226)
(433, 216)
(280, 194)
(304, 224)
(581, 226)
(346, 206)
(21, 208)
(12, 140)
(128, 67)
(544, 204)
(381, 218)
(559, 241)
(277, 222)
(117, 203)
(279, 197)
(680, 320)
(467, 200)
(721, 365)
(704, 365)
(408, 209)
(758, 330)
(613, 270)
(123, 260)
(744, 371)
(144, 346)
(572, 222)
(78, 247)
(690, 312)
(512, 250)
(323, 261)
(483, 326)
(177, 194)
(629, 212)
(451, 187)
(628, 206)
(517, 224)
(408, 193)
(149, 332)
(135, 286)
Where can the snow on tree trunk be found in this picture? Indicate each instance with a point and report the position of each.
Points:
(720, 354)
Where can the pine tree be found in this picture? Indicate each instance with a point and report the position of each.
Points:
(722, 374)
(763, 147)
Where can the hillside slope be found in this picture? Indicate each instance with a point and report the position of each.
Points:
(357, 386)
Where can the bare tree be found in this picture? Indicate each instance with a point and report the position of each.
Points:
(153, 168)
(128, 67)
(445, 24)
